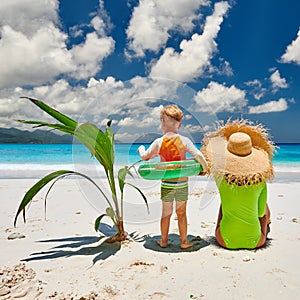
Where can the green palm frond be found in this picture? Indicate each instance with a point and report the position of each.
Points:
(101, 146)
(54, 113)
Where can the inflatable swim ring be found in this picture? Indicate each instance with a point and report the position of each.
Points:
(170, 169)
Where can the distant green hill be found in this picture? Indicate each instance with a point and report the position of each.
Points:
(16, 136)
(38, 136)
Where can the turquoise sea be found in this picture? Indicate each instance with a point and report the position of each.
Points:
(34, 160)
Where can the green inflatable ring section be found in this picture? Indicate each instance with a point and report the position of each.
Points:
(170, 169)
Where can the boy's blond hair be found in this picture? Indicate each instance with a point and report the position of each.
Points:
(172, 111)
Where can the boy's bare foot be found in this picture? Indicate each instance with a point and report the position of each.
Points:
(186, 245)
(161, 244)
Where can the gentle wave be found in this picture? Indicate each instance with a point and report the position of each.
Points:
(35, 167)
(33, 170)
(39, 170)
(286, 168)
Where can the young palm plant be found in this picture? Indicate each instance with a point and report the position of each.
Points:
(101, 146)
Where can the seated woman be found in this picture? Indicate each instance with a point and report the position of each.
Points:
(239, 157)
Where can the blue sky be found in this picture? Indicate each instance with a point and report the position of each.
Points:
(97, 60)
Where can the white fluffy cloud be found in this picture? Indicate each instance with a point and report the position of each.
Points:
(32, 60)
(128, 121)
(256, 88)
(277, 81)
(153, 19)
(28, 16)
(292, 52)
(217, 98)
(33, 48)
(89, 55)
(271, 106)
(196, 53)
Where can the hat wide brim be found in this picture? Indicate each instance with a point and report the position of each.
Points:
(222, 162)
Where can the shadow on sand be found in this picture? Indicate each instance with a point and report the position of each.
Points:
(213, 241)
(80, 246)
(77, 246)
(174, 243)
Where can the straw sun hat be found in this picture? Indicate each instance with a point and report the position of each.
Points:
(239, 151)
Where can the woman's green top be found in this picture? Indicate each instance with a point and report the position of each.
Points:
(242, 206)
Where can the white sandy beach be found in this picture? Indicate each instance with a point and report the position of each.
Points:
(62, 257)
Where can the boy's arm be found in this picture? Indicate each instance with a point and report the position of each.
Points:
(197, 154)
(151, 152)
